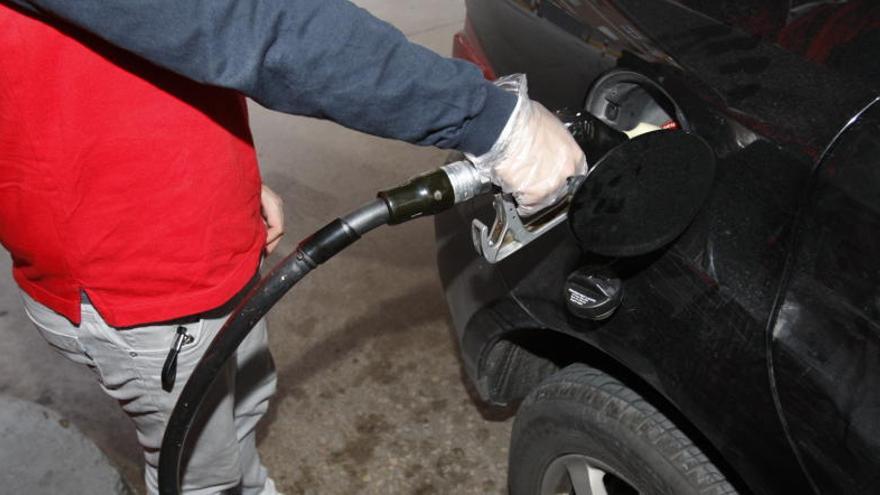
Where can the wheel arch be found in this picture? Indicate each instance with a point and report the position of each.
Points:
(516, 361)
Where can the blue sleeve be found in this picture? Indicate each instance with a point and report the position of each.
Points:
(323, 58)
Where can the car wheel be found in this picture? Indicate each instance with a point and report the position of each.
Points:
(583, 432)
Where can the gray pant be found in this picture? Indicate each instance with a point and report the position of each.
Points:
(128, 365)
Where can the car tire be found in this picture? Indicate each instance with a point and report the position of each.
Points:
(582, 431)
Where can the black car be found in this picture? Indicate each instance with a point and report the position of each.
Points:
(744, 355)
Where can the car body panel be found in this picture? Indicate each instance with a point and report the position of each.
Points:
(697, 319)
(826, 340)
(693, 319)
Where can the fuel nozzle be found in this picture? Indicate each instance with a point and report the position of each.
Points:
(509, 232)
(595, 137)
(440, 189)
(433, 192)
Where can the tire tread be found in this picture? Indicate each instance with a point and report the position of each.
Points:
(586, 385)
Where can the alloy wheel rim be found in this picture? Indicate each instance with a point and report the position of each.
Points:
(577, 474)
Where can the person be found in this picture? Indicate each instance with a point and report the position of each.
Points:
(131, 201)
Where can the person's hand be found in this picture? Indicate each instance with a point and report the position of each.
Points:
(272, 209)
(534, 155)
(541, 156)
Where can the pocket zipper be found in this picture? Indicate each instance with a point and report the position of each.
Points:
(169, 369)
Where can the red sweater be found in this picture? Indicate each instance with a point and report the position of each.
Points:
(120, 179)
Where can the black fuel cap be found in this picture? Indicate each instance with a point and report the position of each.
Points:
(593, 293)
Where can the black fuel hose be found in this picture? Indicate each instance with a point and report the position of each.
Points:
(313, 251)
(425, 194)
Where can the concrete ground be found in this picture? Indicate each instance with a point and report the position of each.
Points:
(42, 453)
(371, 397)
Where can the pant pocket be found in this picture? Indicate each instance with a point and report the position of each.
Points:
(156, 340)
(66, 345)
(56, 330)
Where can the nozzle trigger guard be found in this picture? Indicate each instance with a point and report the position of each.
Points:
(508, 233)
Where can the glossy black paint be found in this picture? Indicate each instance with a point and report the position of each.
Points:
(826, 339)
(759, 323)
(694, 317)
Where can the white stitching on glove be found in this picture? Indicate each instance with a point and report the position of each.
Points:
(534, 155)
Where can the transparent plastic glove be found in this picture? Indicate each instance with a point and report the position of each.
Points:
(534, 155)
